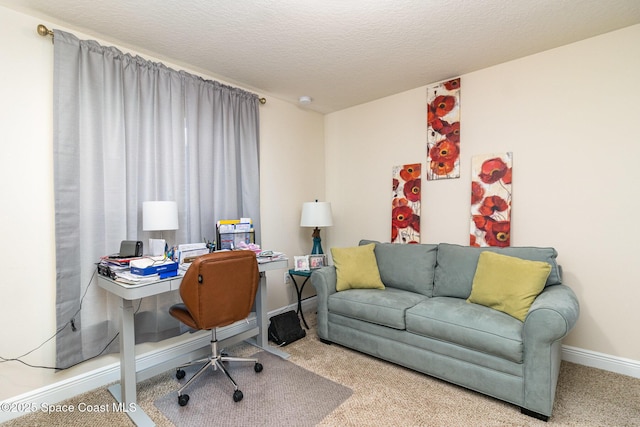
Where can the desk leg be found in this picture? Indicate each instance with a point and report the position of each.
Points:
(125, 392)
(262, 339)
(127, 354)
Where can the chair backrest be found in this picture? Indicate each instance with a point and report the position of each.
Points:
(220, 288)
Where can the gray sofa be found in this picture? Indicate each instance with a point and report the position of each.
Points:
(421, 320)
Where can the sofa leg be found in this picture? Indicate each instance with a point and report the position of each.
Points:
(322, 340)
(533, 414)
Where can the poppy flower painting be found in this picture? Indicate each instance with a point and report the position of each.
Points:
(491, 200)
(405, 204)
(443, 130)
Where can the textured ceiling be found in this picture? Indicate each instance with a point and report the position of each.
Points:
(339, 52)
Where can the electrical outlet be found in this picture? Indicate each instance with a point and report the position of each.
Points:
(287, 278)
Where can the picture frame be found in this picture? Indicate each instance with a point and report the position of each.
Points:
(317, 261)
(301, 263)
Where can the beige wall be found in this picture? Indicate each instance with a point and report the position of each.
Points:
(292, 172)
(570, 116)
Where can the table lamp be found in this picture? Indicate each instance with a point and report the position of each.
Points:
(316, 214)
(159, 216)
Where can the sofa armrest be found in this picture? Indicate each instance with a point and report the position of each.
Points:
(324, 280)
(551, 317)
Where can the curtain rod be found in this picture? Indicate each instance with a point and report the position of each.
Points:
(44, 31)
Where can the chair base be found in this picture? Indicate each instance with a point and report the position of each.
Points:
(215, 361)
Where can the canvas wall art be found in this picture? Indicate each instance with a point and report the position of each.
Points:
(405, 203)
(443, 130)
(491, 200)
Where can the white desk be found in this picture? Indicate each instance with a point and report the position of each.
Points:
(125, 392)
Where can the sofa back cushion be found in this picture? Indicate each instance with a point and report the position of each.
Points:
(407, 267)
(456, 266)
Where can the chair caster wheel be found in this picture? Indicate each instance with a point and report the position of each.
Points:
(237, 396)
(180, 375)
(257, 367)
(183, 399)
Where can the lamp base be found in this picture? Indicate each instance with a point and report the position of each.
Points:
(317, 246)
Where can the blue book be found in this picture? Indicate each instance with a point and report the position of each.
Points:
(168, 274)
(155, 269)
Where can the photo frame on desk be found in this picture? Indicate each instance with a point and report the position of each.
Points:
(301, 263)
(317, 261)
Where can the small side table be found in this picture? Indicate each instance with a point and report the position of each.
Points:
(306, 275)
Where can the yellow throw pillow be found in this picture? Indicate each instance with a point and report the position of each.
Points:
(356, 268)
(508, 284)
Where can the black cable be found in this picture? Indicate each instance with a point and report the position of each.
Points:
(71, 323)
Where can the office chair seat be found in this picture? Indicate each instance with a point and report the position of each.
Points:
(217, 290)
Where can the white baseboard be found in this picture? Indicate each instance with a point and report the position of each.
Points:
(196, 343)
(606, 362)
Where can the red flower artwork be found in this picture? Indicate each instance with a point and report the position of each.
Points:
(444, 157)
(444, 150)
(493, 170)
(491, 200)
(499, 234)
(405, 202)
(452, 132)
(477, 192)
(412, 190)
(443, 130)
(493, 204)
(410, 172)
(452, 84)
(402, 216)
(440, 106)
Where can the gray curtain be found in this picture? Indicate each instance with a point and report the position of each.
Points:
(127, 130)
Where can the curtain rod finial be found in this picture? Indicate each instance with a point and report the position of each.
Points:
(263, 101)
(44, 31)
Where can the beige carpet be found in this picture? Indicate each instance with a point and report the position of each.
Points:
(385, 394)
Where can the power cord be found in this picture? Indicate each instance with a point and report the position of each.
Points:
(71, 323)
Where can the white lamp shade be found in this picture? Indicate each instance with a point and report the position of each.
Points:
(316, 214)
(159, 216)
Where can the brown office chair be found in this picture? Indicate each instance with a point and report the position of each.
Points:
(217, 290)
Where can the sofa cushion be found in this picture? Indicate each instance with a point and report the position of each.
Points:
(383, 307)
(456, 266)
(508, 284)
(408, 267)
(473, 326)
(356, 268)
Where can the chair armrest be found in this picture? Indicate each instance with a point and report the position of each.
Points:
(324, 280)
